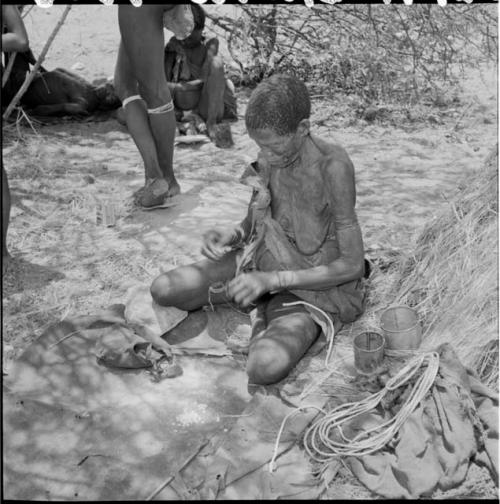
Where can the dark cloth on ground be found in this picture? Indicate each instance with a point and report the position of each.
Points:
(56, 92)
(60, 86)
(80, 428)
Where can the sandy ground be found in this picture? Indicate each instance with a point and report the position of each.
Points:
(64, 264)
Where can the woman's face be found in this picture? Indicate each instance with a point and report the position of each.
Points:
(278, 150)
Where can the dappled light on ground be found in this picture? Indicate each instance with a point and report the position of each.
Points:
(76, 430)
(66, 415)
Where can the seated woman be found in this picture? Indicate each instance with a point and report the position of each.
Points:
(299, 249)
(195, 73)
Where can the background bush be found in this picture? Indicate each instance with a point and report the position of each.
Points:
(382, 53)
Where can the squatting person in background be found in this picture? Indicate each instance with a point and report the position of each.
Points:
(195, 73)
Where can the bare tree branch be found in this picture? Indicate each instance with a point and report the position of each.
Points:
(31, 75)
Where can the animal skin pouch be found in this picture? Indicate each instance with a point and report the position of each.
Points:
(179, 20)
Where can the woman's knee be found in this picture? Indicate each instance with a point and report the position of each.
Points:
(154, 91)
(123, 90)
(161, 290)
(216, 64)
(185, 287)
(268, 362)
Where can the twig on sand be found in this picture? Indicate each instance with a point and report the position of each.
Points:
(171, 478)
(90, 455)
(23, 113)
(27, 11)
(31, 75)
(62, 339)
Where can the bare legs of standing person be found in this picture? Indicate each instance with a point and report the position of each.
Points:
(140, 71)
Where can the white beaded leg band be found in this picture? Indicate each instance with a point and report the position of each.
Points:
(162, 109)
(131, 99)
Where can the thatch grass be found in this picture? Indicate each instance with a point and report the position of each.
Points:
(451, 278)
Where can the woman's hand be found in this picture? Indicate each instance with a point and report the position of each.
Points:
(247, 287)
(216, 243)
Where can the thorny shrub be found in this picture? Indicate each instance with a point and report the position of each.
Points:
(382, 53)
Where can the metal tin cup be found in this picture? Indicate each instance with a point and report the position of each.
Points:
(368, 352)
(401, 328)
(105, 213)
(108, 214)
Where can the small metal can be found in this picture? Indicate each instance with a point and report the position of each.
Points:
(368, 352)
(401, 328)
(108, 214)
(105, 213)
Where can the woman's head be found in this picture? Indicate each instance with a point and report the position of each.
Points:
(196, 36)
(278, 103)
(277, 118)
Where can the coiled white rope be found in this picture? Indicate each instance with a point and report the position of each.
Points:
(329, 337)
(272, 464)
(325, 439)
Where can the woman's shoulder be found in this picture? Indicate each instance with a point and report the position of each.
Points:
(331, 152)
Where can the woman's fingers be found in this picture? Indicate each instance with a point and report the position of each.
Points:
(212, 236)
(210, 252)
(211, 247)
(242, 290)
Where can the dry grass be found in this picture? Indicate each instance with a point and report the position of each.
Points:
(451, 278)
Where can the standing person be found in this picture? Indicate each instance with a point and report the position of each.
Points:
(301, 237)
(14, 39)
(141, 85)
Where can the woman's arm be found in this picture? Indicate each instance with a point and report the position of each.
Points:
(349, 266)
(16, 39)
(350, 263)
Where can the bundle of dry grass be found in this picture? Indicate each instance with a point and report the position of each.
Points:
(451, 278)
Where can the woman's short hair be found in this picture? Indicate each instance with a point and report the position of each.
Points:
(278, 103)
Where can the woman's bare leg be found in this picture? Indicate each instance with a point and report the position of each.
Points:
(289, 332)
(187, 287)
(211, 104)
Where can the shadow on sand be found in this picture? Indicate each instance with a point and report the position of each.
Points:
(21, 275)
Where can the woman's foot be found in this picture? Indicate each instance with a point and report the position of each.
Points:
(155, 192)
(173, 189)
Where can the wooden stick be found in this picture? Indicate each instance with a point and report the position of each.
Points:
(26, 12)
(171, 478)
(38, 64)
(8, 70)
